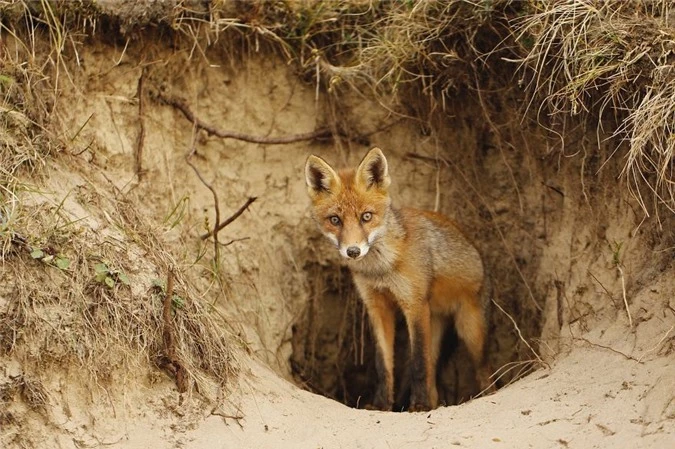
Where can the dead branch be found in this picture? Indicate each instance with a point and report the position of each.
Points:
(234, 216)
(183, 107)
(172, 362)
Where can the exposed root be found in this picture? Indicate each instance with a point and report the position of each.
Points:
(183, 107)
(216, 203)
(32, 392)
(520, 334)
(172, 362)
(625, 299)
(609, 348)
(141, 127)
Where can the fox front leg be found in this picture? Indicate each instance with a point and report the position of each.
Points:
(381, 312)
(423, 393)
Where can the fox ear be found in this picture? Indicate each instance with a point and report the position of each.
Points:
(320, 177)
(373, 170)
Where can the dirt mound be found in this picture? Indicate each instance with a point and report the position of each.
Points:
(129, 317)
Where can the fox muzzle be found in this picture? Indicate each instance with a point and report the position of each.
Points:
(353, 252)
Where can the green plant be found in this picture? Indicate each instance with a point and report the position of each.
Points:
(108, 276)
(177, 301)
(56, 260)
(616, 252)
(177, 214)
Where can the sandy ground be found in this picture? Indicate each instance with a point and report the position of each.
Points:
(613, 403)
(613, 388)
(593, 397)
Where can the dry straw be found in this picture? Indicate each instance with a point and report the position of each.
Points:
(600, 59)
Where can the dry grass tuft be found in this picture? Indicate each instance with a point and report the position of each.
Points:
(432, 47)
(31, 391)
(649, 130)
(380, 48)
(103, 308)
(27, 96)
(609, 58)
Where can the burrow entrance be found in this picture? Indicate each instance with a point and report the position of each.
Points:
(334, 353)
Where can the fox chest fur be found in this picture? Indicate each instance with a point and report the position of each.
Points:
(419, 254)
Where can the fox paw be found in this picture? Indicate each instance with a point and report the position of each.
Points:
(378, 407)
(419, 407)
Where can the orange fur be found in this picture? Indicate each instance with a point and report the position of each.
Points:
(413, 260)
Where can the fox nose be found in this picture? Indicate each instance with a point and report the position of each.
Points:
(353, 252)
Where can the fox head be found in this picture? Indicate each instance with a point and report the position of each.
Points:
(350, 206)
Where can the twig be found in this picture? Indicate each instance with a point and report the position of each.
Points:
(515, 325)
(141, 131)
(234, 216)
(625, 300)
(657, 344)
(555, 189)
(172, 361)
(235, 240)
(628, 357)
(84, 149)
(182, 106)
(236, 418)
(603, 287)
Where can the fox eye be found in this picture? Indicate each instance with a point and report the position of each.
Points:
(367, 216)
(334, 220)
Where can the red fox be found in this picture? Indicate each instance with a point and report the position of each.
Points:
(414, 260)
